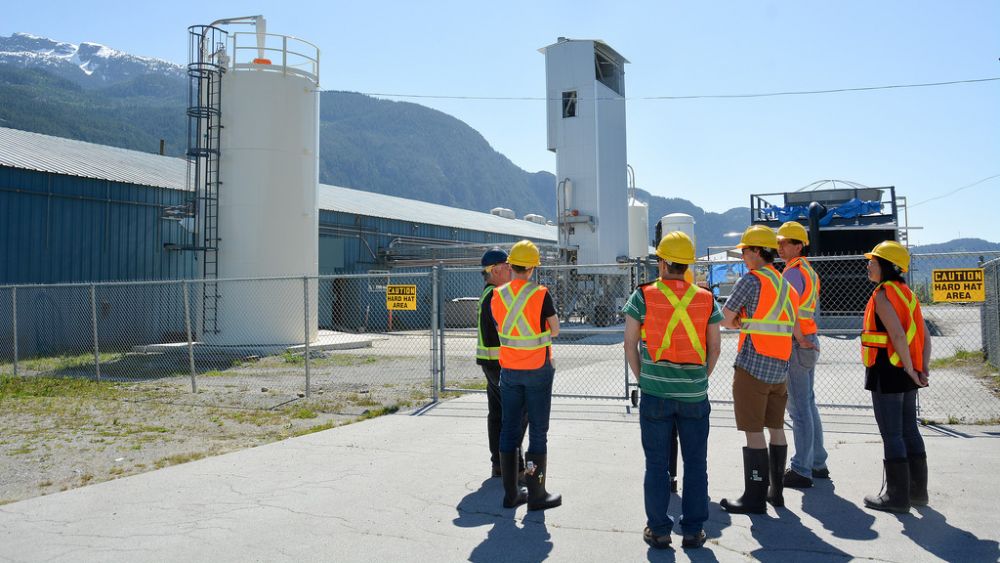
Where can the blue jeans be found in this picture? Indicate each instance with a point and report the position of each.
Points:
(657, 419)
(896, 415)
(531, 391)
(807, 428)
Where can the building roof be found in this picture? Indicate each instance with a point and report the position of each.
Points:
(44, 153)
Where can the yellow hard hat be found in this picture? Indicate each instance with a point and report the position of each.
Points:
(893, 252)
(524, 253)
(795, 231)
(759, 235)
(676, 247)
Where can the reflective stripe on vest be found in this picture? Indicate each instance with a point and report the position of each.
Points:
(678, 316)
(810, 294)
(527, 338)
(772, 330)
(872, 339)
(484, 352)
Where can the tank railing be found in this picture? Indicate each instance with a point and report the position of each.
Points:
(288, 54)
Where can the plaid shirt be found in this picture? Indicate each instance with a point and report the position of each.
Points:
(744, 296)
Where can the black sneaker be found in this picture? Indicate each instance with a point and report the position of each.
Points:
(821, 473)
(694, 541)
(793, 480)
(655, 541)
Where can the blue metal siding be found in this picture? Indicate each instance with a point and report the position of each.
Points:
(57, 228)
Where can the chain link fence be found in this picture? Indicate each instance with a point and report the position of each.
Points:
(589, 357)
(350, 343)
(990, 318)
(252, 343)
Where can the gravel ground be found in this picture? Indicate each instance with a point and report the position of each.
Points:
(60, 430)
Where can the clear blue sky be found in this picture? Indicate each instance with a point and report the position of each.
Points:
(925, 141)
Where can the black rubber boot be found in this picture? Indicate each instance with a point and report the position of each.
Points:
(775, 493)
(918, 479)
(896, 497)
(755, 481)
(514, 495)
(538, 497)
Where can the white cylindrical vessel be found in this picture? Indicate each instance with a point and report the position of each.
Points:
(638, 229)
(678, 222)
(269, 173)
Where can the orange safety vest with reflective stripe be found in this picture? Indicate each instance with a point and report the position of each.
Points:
(675, 326)
(517, 313)
(810, 294)
(484, 352)
(907, 308)
(771, 324)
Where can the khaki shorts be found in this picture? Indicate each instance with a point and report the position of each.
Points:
(758, 404)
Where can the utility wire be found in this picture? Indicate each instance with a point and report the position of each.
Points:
(695, 97)
(956, 190)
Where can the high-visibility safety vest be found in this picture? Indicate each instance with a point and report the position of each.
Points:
(675, 326)
(484, 352)
(810, 294)
(517, 313)
(770, 326)
(907, 308)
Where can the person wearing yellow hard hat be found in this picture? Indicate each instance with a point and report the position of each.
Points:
(809, 461)
(672, 344)
(526, 322)
(896, 352)
(764, 307)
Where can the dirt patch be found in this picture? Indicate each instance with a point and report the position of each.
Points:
(58, 433)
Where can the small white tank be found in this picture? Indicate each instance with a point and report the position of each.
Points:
(503, 212)
(678, 222)
(638, 229)
(535, 218)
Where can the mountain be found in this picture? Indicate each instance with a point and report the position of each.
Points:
(88, 64)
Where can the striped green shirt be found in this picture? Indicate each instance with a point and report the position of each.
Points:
(681, 382)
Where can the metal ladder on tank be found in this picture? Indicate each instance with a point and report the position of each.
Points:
(204, 151)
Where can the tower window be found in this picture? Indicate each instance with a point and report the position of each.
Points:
(569, 103)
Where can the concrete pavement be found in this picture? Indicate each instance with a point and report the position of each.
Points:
(414, 487)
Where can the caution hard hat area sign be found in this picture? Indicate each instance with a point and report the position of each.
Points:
(958, 285)
(401, 297)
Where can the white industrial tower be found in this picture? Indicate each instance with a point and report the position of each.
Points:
(585, 89)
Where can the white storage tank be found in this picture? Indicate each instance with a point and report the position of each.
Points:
(503, 212)
(638, 229)
(678, 222)
(269, 172)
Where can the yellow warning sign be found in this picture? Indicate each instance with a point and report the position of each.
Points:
(399, 297)
(958, 285)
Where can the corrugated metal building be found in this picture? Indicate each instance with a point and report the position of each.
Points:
(72, 211)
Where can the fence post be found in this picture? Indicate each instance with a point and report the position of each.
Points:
(93, 328)
(442, 325)
(434, 332)
(305, 316)
(13, 308)
(187, 328)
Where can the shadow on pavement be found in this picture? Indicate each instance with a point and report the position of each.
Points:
(844, 519)
(505, 541)
(930, 530)
(785, 538)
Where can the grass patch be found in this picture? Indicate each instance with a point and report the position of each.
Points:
(314, 429)
(59, 363)
(961, 359)
(77, 388)
(375, 413)
(362, 400)
(303, 412)
(178, 459)
(472, 384)
(23, 450)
